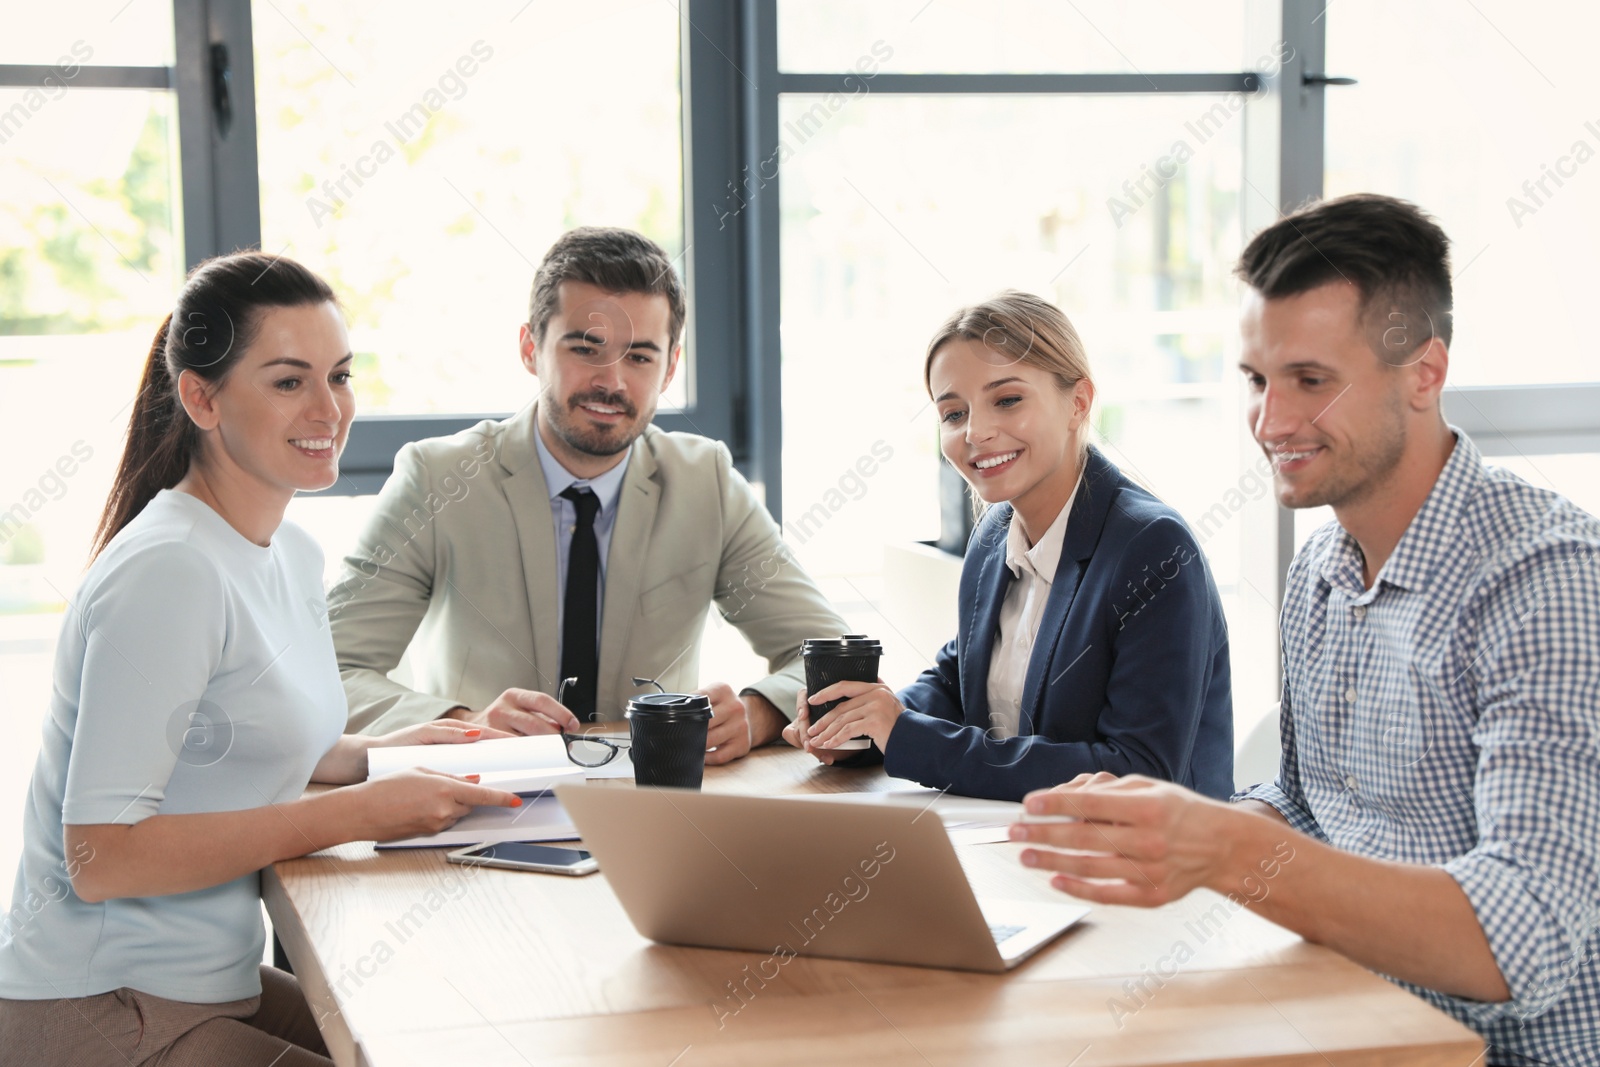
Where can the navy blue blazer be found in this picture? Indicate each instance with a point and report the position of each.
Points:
(1129, 673)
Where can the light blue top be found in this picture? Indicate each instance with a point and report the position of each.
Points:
(195, 673)
(608, 487)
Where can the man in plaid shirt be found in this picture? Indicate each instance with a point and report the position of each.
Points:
(1440, 778)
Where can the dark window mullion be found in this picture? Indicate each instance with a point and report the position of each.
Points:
(41, 76)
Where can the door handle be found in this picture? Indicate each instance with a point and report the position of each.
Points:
(221, 94)
(1325, 79)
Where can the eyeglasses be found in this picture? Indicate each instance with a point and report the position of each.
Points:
(590, 750)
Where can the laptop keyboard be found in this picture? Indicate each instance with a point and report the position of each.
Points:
(1001, 932)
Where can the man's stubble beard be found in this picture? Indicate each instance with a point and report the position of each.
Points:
(592, 442)
(1368, 466)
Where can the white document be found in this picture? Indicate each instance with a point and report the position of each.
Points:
(517, 764)
(528, 781)
(504, 755)
(541, 818)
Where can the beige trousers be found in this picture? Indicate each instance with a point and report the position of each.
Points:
(127, 1028)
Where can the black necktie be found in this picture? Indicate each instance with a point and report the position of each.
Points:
(580, 658)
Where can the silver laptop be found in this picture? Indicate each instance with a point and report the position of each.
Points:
(877, 882)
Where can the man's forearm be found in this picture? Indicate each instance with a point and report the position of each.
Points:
(1409, 921)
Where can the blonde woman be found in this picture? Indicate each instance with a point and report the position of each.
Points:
(1091, 635)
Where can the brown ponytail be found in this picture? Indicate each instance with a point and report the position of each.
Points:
(160, 442)
(215, 321)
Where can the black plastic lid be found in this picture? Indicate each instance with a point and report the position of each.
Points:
(666, 707)
(845, 645)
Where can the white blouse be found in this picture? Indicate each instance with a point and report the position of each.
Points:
(1020, 614)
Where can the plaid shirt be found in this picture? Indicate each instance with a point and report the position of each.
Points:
(1450, 716)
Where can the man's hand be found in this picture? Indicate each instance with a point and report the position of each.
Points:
(738, 723)
(1144, 842)
(1138, 840)
(766, 721)
(520, 711)
(728, 736)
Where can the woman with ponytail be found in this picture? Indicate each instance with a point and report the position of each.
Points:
(196, 694)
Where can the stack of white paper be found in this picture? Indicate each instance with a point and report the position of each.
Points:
(527, 765)
(504, 756)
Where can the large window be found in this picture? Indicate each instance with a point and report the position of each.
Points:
(423, 157)
(91, 257)
(1491, 129)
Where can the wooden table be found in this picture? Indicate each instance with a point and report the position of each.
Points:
(409, 960)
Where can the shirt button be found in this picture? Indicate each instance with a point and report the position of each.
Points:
(1350, 782)
(1359, 611)
(1350, 695)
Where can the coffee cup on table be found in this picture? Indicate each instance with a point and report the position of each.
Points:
(848, 658)
(668, 731)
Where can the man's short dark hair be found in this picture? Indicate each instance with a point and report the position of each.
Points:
(609, 258)
(1395, 255)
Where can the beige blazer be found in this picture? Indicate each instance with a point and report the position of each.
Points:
(458, 564)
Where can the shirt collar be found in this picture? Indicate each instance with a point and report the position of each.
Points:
(1432, 530)
(607, 487)
(1045, 554)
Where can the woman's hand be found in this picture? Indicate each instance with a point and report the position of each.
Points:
(412, 803)
(437, 732)
(870, 709)
(346, 762)
(797, 733)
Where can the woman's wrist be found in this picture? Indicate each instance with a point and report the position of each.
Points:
(361, 746)
(325, 820)
(345, 763)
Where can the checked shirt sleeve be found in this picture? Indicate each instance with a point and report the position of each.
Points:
(1534, 876)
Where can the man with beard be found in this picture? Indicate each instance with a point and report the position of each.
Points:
(1436, 815)
(574, 539)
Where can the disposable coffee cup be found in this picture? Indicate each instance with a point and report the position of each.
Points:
(850, 658)
(668, 731)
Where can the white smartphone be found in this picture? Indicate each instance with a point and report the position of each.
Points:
(525, 856)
